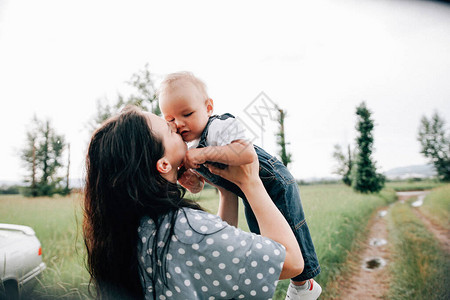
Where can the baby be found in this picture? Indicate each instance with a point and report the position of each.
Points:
(221, 140)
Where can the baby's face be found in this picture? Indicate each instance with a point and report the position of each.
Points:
(185, 107)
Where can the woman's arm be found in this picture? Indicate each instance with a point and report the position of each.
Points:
(228, 207)
(272, 223)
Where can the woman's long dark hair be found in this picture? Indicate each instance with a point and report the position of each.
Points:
(122, 185)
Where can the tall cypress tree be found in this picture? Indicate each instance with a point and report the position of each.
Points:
(365, 176)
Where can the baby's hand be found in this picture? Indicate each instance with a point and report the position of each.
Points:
(191, 181)
(194, 158)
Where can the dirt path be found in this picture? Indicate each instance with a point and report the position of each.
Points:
(367, 282)
(369, 277)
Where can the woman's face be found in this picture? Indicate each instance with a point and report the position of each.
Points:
(175, 148)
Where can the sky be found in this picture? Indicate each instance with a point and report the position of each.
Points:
(318, 60)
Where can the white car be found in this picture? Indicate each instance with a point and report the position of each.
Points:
(20, 260)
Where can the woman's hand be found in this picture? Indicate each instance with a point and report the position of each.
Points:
(191, 181)
(242, 175)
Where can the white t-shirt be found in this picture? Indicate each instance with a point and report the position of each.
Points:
(222, 132)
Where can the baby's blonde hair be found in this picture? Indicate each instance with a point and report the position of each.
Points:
(173, 80)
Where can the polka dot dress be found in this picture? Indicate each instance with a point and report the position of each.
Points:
(209, 259)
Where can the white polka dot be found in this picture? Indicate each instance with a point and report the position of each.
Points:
(177, 289)
(228, 277)
(168, 275)
(197, 217)
(209, 241)
(174, 238)
(236, 232)
(235, 287)
(211, 216)
(201, 258)
(177, 270)
(223, 294)
(247, 281)
(181, 251)
(189, 263)
(276, 251)
(211, 298)
(183, 220)
(271, 270)
(236, 260)
(162, 297)
(161, 244)
(197, 276)
(169, 294)
(258, 245)
(204, 288)
(204, 228)
(144, 239)
(248, 253)
(265, 288)
(149, 270)
(241, 271)
(188, 232)
(139, 229)
(187, 282)
(169, 256)
(195, 246)
(253, 293)
(216, 253)
(150, 289)
(266, 257)
(222, 266)
(259, 276)
(159, 263)
(216, 283)
(149, 251)
(167, 226)
(218, 225)
(241, 296)
(230, 248)
(224, 236)
(243, 243)
(254, 263)
(150, 221)
(142, 259)
(267, 242)
(208, 271)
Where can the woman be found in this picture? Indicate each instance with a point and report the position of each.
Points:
(144, 239)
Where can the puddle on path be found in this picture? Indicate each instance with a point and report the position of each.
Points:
(382, 213)
(377, 242)
(371, 264)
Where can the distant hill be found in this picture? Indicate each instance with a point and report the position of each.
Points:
(415, 171)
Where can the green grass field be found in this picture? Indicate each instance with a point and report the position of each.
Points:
(336, 216)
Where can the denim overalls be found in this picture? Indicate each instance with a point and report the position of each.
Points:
(282, 189)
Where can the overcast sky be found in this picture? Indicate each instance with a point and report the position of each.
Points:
(316, 59)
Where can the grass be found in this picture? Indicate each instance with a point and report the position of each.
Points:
(412, 185)
(420, 269)
(57, 223)
(437, 206)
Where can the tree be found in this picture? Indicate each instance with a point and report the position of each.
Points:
(365, 178)
(144, 96)
(435, 144)
(345, 162)
(281, 140)
(42, 156)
